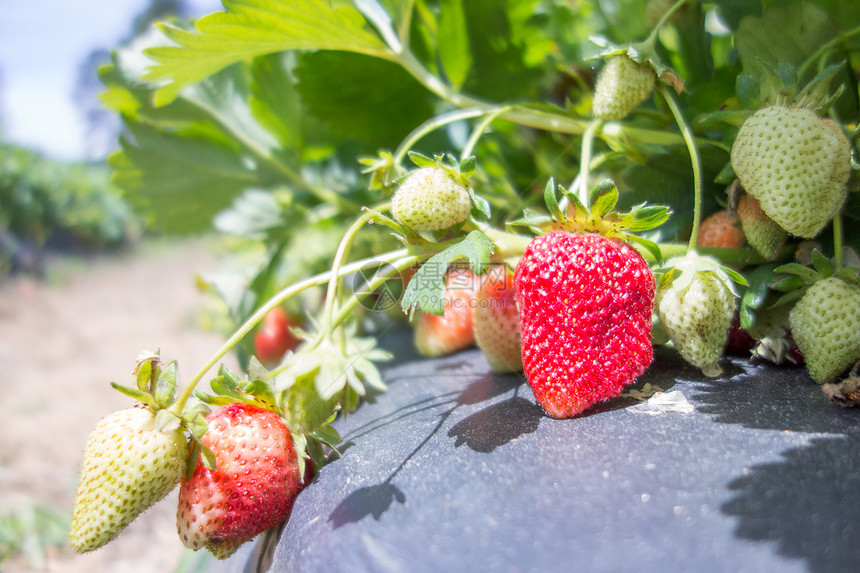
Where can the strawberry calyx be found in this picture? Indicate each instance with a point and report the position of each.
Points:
(800, 277)
(155, 388)
(570, 214)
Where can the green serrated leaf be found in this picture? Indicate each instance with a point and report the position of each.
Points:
(603, 199)
(165, 385)
(453, 42)
(822, 264)
(648, 218)
(144, 375)
(421, 160)
(787, 284)
(426, 290)
(250, 28)
(468, 166)
(262, 392)
(208, 458)
(327, 435)
(192, 460)
(807, 274)
(136, 394)
(551, 201)
(166, 421)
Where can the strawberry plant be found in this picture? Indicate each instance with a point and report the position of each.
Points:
(352, 144)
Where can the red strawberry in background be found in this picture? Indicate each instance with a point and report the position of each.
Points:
(253, 487)
(442, 335)
(585, 305)
(274, 338)
(497, 322)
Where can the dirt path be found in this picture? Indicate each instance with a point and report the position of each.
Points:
(60, 346)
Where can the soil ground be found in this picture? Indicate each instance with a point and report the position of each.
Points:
(62, 341)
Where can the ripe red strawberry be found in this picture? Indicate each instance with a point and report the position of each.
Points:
(431, 199)
(436, 335)
(585, 305)
(253, 487)
(761, 231)
(621, 86)
(497, 322)
(128, 466)
(721, 230)
(795, 164)
(274, 338)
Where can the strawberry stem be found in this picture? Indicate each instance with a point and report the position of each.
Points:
(695, 160)
(435, 123)
(652, 37)
(585, 160)
(277, 299)
(340, 255)
(479, 130)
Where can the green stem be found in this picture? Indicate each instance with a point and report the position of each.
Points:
(696, 161)
(826, 48)
(339, 256)
(837, 241)
(378, 280)
(479, 130)
(585, 160)
(433, 124)
(533, 117)
(652, 37)
(276, 300)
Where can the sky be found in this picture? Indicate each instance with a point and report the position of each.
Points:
(42, 44)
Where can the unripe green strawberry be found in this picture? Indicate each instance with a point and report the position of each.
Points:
(430, 199)
(796, 164)
(762, 232)
(128, 466)
(696, 305)
(621, 86)
(825, 323)
(497, 322)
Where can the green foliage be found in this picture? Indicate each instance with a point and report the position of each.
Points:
(44, 203)
(28, 528)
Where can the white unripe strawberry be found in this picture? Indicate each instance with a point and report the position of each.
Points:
(796, 164)
(430, 199)
(128, 466)
(696, 305)
(621, 86)
(825, 323)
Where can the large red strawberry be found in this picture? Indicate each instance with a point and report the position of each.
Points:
(253, 486)
(585, 305)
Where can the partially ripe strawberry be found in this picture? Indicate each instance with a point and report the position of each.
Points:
(436, 335)
(585, 305)
(796, 164)
(621, 86)
(274, 338)
(497, 322)
(430, 199)
(721, 230)
(696, 305)
(253, 487)
(762, 232)
(128, 466)
(824, 323)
